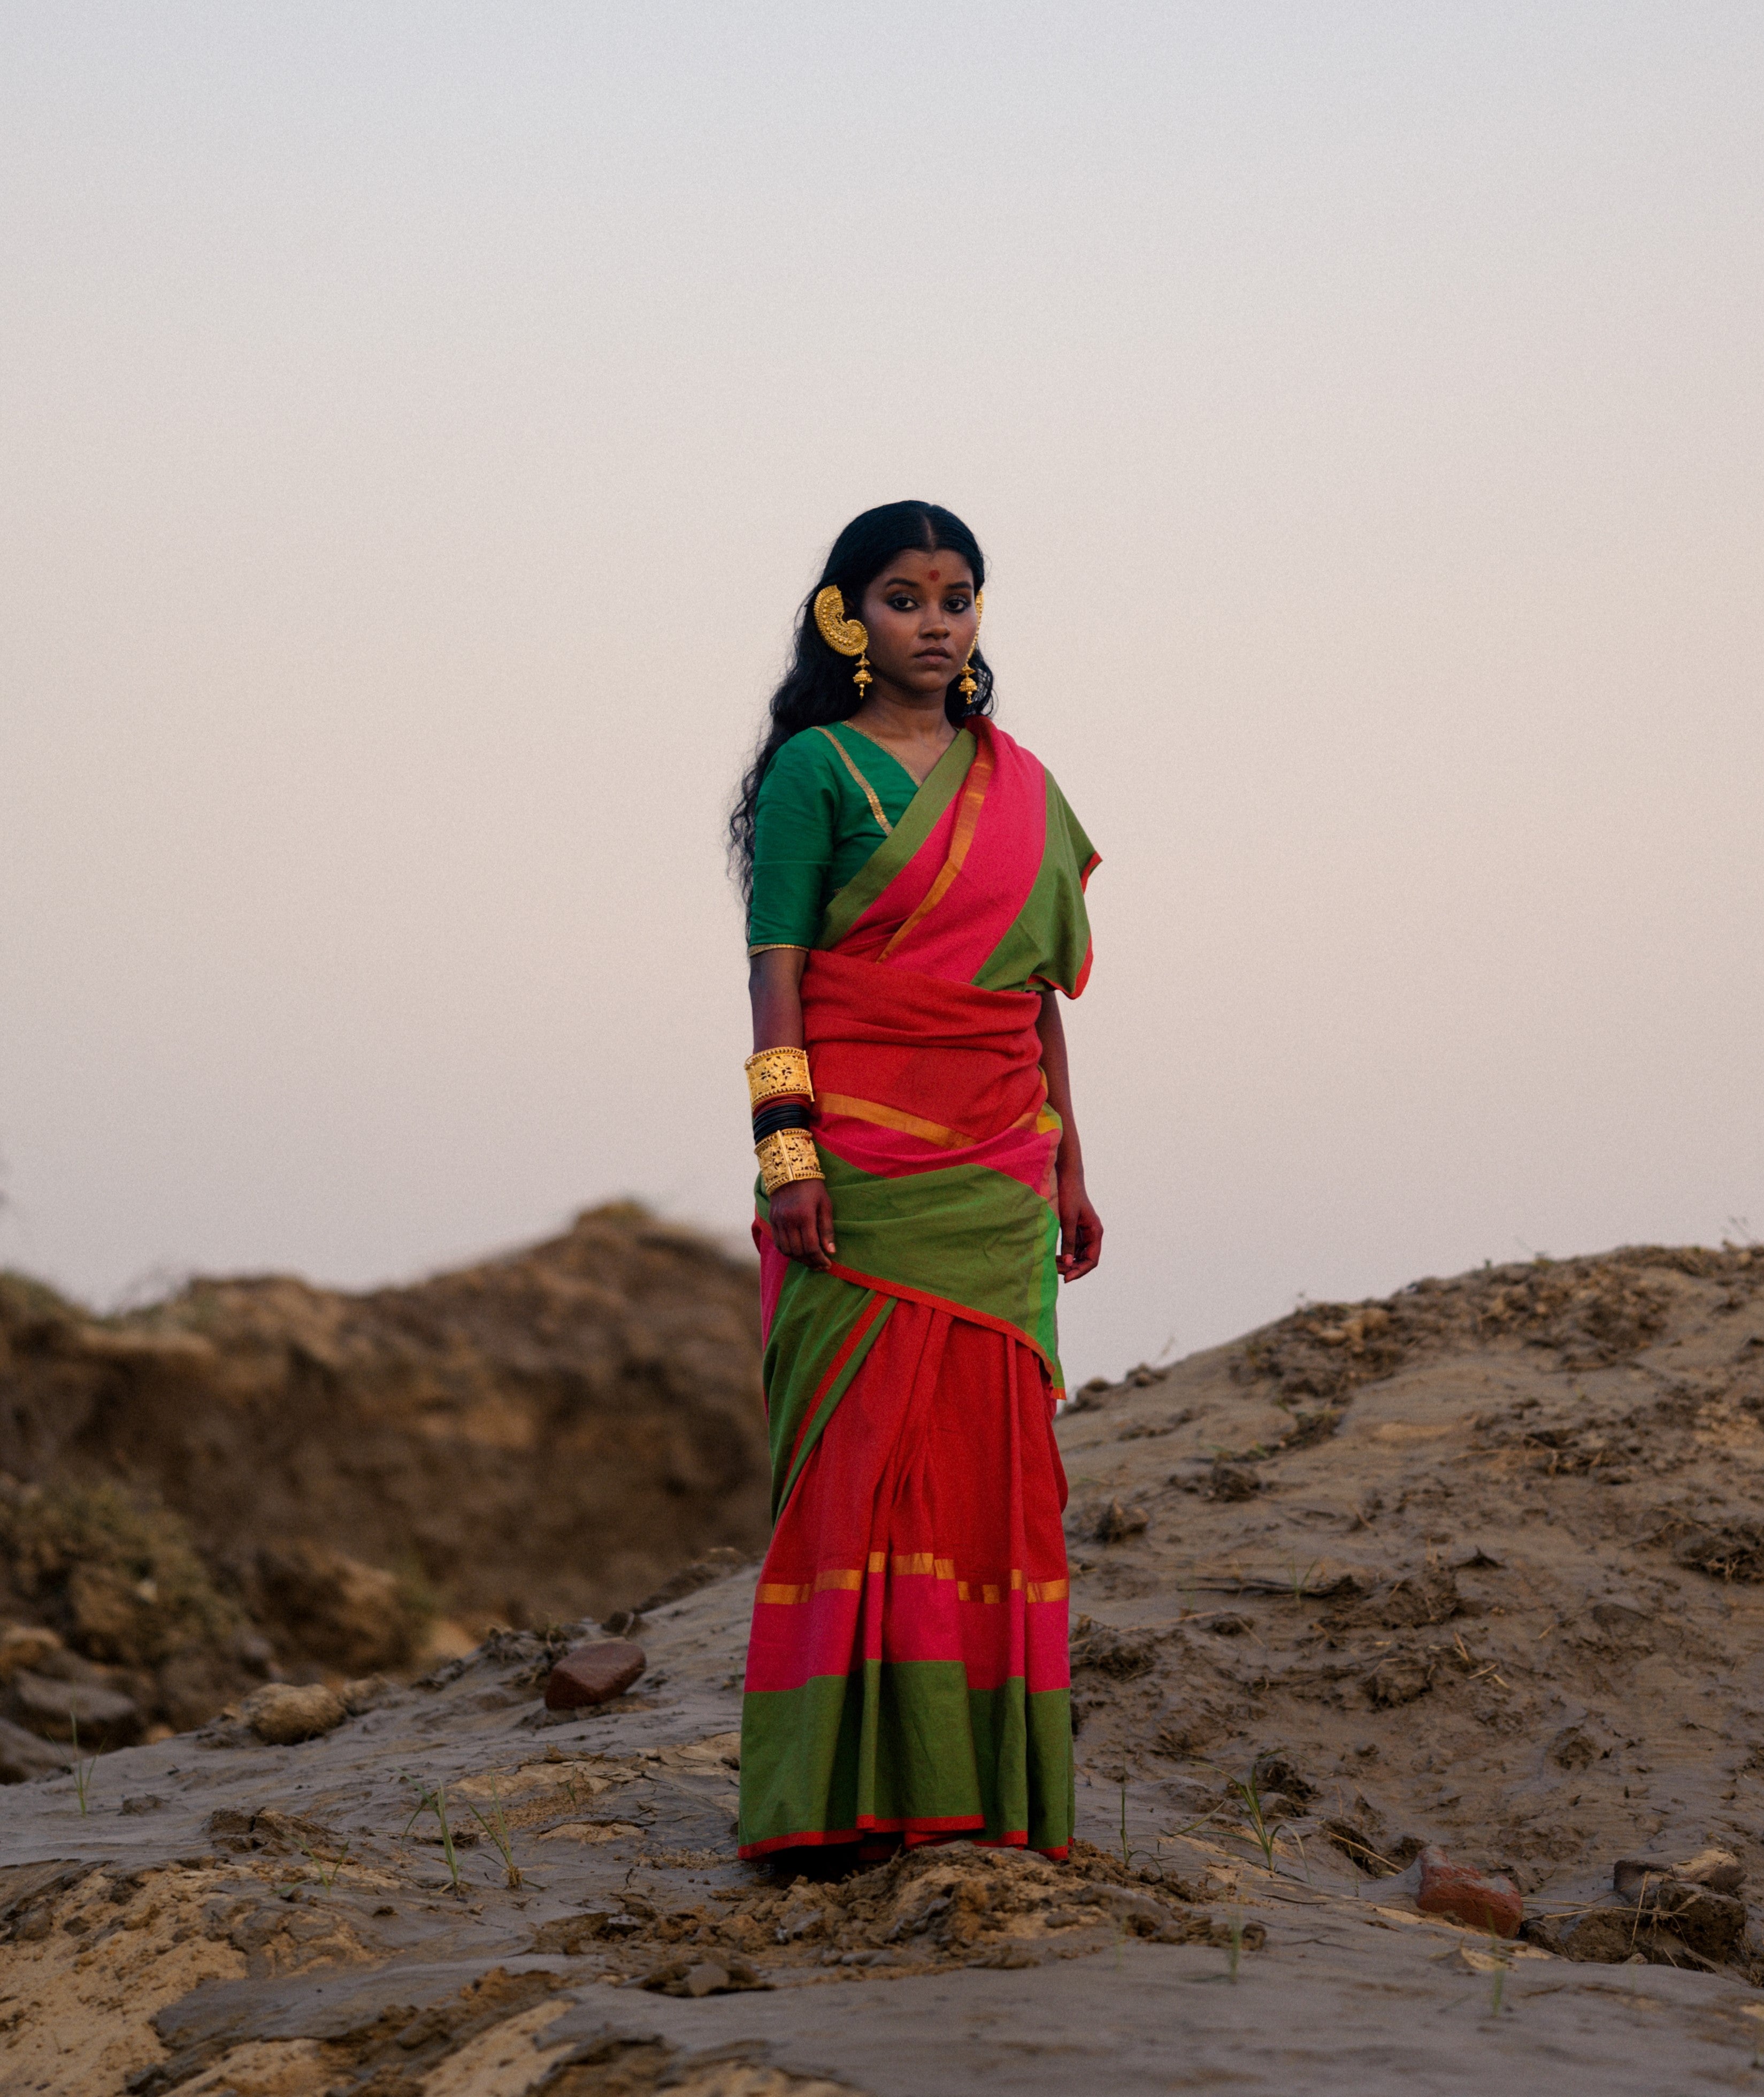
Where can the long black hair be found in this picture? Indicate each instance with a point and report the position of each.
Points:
(818, 688)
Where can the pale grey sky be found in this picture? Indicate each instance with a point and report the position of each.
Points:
(418, 424)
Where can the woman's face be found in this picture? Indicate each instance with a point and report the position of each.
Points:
(921, 618)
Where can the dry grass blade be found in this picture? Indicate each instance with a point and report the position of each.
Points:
(1255, 1821)
(82, 1770)
(436, 1802)
(496, 1828)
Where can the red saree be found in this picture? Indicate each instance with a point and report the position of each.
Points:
(907, 1671)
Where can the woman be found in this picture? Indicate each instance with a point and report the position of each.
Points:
(915, 884)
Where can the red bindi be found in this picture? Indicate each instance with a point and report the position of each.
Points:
(935, 573)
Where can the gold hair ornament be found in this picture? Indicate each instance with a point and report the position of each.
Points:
(969, 686)
(848, 637)
(787, 1155)
(777, 1074)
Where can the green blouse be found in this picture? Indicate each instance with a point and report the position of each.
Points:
(822, 810)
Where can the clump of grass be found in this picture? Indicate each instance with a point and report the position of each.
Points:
(496, 1828)
(115, 1573)
(436, 1802)
(82, 1771)
(1256, 1822)
(1498, 1952)
(326, 1879)
(1234, 1952)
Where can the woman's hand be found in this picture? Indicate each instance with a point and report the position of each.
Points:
(802, 1222)
(1080, 1229)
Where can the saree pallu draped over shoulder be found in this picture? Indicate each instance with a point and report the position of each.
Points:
(907, 1672)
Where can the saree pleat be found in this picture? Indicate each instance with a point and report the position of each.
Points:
(907, 1665)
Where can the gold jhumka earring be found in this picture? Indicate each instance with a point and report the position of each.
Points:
(849, 637)
(969, 686)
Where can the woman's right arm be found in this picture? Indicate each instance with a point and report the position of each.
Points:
(802, 1212)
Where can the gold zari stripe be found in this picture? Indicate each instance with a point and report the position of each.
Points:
(870, 791)
(885, 1117)
(835, 1577)
(847, 1579)
(961, 836)
(1042, 1119)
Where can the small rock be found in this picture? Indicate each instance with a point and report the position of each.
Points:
(24, 1645)
(105, 1717)
(1633, 1876)
(1118, 1521)
(23, 1755)
(1677, 1924)
(700, 1977)
(593, 1674)
(366, 1695)
(281, 1712)
(1713, 1924)
(1232, 1481)
(1704, 1912)
(1719, 1870)
(142, 1801)
(1472, 1897)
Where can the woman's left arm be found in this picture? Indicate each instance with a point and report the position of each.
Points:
(1080, 1226)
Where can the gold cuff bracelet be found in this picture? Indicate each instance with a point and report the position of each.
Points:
(774, 1072)
(787, 1154)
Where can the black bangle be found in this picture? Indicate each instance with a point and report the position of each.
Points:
(786, 1114)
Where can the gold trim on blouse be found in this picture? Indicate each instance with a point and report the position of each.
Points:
(870, 791)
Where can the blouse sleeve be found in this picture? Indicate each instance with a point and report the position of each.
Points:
(794, 823)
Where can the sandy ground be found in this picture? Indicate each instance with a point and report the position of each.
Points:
(1477, 1570)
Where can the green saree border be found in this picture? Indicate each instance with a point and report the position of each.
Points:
(908, 1743)
(855, 1351)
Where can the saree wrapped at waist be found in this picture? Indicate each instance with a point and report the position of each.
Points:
(937, 1140)
(906, 1670)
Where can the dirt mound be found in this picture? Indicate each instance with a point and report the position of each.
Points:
(1586, 1313)
(1478, 1565)
(257, 1476)
(952, 1904)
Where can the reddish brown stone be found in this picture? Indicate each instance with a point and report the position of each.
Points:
(1470, 1897)
(593, 1674)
